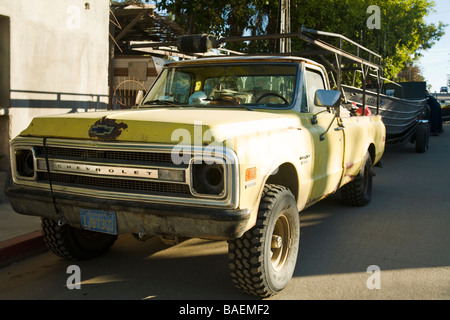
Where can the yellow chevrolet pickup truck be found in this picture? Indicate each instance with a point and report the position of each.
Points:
(225, 148)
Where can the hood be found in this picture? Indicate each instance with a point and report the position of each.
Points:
(161, 125)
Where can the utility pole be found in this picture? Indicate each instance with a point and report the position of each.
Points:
(285, 25)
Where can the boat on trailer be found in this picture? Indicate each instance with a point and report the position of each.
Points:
(400, 116)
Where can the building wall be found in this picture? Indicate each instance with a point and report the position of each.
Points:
(57, 57)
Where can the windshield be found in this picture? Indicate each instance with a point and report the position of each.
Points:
(264, 85)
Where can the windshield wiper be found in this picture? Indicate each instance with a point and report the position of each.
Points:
(164, 102)
(174, 104)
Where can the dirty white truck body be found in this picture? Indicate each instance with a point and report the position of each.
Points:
(200, 157)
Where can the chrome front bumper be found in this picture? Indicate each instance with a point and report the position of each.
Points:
(135, 217)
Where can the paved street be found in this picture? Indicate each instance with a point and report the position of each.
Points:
(403, 232)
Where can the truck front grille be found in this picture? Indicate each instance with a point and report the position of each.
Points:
(105, 155)
(128, 171)
(111, 184)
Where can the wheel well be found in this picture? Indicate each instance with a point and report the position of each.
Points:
(372, 152)
(285, 175)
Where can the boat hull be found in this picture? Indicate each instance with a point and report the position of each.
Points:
(400, 116)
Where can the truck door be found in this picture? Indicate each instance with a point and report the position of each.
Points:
(327, 150)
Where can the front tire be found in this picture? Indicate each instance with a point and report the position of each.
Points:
(72, 243)
(263, 260)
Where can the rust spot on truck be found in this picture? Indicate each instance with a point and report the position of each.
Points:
(107, 129)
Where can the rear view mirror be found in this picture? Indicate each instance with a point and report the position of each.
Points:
(139, 97)
(327, 98)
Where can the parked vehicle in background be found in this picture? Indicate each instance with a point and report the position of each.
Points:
(445, 107)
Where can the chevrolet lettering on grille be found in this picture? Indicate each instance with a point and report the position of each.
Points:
(101, 170)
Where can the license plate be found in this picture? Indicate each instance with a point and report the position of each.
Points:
(98, 221)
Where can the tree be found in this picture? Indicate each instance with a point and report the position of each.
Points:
(402, 37)
(403, 33)
(409, 73)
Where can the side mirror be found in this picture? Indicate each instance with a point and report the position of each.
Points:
(327, 98)
(139, 97)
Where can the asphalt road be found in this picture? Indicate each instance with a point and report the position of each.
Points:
(397, 247)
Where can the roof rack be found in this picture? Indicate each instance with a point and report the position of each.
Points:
(362, 59)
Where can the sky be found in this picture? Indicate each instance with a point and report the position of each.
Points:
(435, 63)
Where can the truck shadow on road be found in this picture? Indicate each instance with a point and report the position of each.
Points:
(193, 270)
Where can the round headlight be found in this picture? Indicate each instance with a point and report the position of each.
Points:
(25, 163)
(208, 178)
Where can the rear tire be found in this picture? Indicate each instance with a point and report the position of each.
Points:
(359, 191)
(72, 243)
(263, 260)
(422, 138)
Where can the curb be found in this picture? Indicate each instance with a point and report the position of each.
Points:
(21, 247)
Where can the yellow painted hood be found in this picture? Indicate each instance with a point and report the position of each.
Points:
(161, 125)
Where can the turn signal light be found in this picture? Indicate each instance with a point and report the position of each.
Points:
(250, 174)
